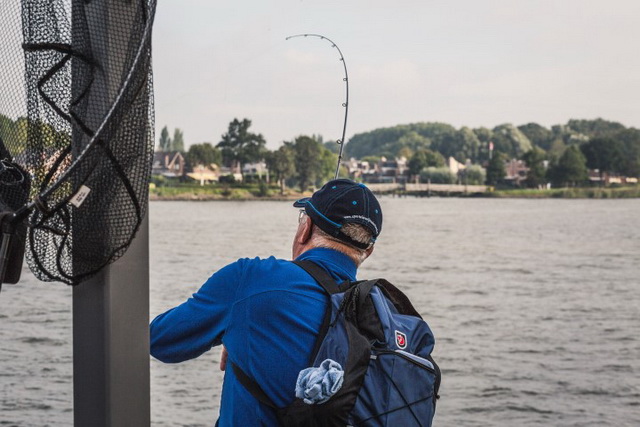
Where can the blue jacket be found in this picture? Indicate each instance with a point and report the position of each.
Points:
(267, 312)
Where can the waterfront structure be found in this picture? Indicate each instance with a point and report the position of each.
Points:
(169, 164)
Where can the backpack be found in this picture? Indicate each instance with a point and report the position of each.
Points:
(372, 330)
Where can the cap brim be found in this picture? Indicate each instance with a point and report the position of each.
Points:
(301, 203)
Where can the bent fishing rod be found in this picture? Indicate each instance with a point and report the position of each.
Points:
(345, 104)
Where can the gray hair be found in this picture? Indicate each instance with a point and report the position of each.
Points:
(356, 231)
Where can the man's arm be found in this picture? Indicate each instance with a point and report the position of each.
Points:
(223, 359)
(192, 328)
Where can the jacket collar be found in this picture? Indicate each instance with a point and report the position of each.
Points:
(339, 265)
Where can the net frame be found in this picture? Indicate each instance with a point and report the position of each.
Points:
(89, 131)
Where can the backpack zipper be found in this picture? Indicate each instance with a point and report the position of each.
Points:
(416, 360)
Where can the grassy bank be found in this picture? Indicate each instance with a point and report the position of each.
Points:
(570, 193)
(265, 192)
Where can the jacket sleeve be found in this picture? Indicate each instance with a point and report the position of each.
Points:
(190, 329)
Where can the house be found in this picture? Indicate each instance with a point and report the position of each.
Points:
(606, 178)
(168, 164)
(259, 169)
(357, 168)
(391, 170)
(385, 171)
(455, 166)
(515, 172)
(230, 174)
(205, 174)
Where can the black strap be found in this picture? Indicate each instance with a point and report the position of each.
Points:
(252, 386)
(365, 289)
(320, 275)
(398, 298)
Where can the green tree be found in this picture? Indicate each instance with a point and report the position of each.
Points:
(630, 139)
(468, 146)
(437, 175)
(539, 136)
(36, 133)
(332, 146)
(597, 128)
(604, 154)
(536, 176)
(281, 164)
(461, 145)
(328, 162)
(203, 154)
(308, 155)
(239, 146)
(405, 152)
(510, 140)
(372, 160)
(496, 169)
(389, 141)
(571, 168)
(556, 149)
(435, 159)
(425, 158)
(417, 162)
(485, 136)
(411, 141)
(6, 135)
(475, 175)
(164, 144)
(177, 143)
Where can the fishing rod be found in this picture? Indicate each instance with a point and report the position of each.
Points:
(345, 104)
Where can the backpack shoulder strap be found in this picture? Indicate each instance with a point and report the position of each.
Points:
(252, 386)
(330, 287)
(320, 275)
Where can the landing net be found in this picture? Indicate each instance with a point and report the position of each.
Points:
(76, 116)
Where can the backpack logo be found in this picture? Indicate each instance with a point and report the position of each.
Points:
(401, 340)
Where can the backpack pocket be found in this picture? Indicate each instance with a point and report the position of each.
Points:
(399, 390)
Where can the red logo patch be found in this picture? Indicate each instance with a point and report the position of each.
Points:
(401, 340)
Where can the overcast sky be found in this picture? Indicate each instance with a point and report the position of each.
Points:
(464, 62)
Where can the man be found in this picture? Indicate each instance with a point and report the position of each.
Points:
(267, 312)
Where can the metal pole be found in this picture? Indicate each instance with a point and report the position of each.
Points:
(111, 342)
(110, 310)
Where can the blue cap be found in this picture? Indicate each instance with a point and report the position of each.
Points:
(340, 202)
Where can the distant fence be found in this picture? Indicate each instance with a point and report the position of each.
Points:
(426, 188)
(385, 188)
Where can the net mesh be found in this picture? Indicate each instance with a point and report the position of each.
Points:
(76, 113)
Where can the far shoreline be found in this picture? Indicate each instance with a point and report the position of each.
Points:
(185, 194)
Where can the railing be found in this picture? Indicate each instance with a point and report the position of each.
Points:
(427, 188)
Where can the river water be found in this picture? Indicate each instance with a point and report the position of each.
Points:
(535, 305)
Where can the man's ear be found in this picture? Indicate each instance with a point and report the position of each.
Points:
(305, 233)
(369, 251)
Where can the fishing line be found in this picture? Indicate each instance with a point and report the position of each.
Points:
(345, 104)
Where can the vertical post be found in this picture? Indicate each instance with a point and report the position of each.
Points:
(111, 341)
(110, 310)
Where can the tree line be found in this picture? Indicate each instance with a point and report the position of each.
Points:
(305, 161)
(561, 155)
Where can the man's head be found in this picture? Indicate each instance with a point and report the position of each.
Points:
(344, 215)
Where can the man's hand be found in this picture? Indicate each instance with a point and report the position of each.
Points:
(223, 359)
